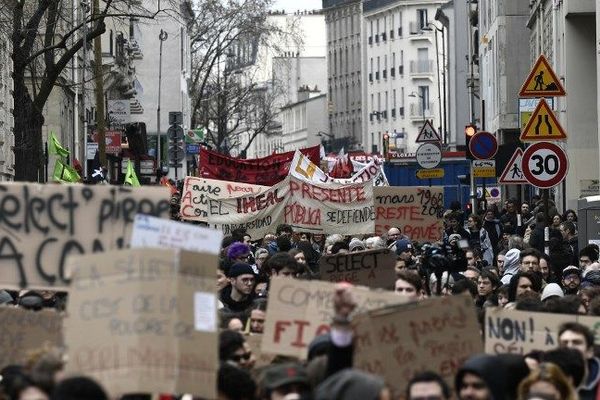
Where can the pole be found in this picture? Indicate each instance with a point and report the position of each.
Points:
(161, 37)
(84, 10)
(547, 219)
(473, 189)
(99, 81)
(445, 133)
(437, 61)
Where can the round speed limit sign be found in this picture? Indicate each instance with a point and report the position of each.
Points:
(544, 165)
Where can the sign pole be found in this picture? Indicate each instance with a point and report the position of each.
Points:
(473, 190)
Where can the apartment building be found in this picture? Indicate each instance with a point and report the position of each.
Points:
(344, 72)
(403, 65)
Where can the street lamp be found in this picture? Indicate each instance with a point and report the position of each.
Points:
(430, 27)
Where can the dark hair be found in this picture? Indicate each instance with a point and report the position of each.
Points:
(235, 383)
(428, 376)
(463, 286)
(529, 301)
(567, 212)
(569, 304)
(238, 234)
(259, 304)
(589, 251)
(530, 252)
(283, 243)
(580, 329)
(412, 278)
(536, 283)
(570, 361)
(337, 246)
(77, 388)
(594, 307)
(229, 343)
(283, 228)
(279, 261)
(477, 219)
(569, 227)
(491, 276)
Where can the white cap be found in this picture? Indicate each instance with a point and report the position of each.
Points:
(551, 290)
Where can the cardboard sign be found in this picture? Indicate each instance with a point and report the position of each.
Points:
(258, 214)
(299, 311)
(161, 233)
(416, 211)
(371, 268)
(259, 171)
(40, 225)
(144, 321)
(436, 334)
(195, 201)
(262, 359)
(25, 331)
(512, 331)
(330, 208)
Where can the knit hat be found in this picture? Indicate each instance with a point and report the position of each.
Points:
(356, 245)
(552, 290)
(592, 278)
(284, 374)
(238, 269)
(454, 236)
(403, 245)
(570, 270)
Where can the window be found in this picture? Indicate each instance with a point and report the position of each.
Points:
(422, 17)
(393, 70)
(392, 26)
(424, 98)
(385, 66)
(394, 103)
(378, 104)
(378, 68)
(400, 24)
(371, 71)
(401, 63)
(386, 105)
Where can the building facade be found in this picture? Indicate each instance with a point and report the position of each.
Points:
(343, 19)
(402, 72)
(304, 122)
(7, 139)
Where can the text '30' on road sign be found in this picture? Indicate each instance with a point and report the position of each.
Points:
(513, 172)
(542, 81)
(543, 125)
(483, 145)
(545, 165)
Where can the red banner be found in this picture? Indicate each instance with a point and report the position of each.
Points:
(259, 171)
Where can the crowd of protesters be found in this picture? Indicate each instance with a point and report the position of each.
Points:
(502, 259)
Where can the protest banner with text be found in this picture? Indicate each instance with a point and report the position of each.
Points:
(512, 331)
(40, 225)
(330, 207)
(299, 311)
(258, 214)
(162, 233)
(25, 332)
(436, 334)
(371, 268)
(196, 191)
(260, 171)
(416, 211)
(144, 321)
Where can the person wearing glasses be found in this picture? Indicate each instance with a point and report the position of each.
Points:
(239, 295)
(234, 349)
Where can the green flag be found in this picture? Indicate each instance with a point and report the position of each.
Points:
(54, 147)
(130, 176)
(65, 173)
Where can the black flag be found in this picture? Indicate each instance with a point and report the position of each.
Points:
(97, 173)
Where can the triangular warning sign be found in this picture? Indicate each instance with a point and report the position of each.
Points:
(428, 134)
(542, 125)
(542, 81)
(513, 173)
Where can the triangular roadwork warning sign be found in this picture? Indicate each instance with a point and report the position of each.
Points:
(428, 134)
(542, 125)
(542, 81)
(513, 173)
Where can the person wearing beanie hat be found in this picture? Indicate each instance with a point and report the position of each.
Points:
(281, 380)
(404, 249)
(351, 384)
(511, 265)
(552, 290)
(591, 278)
(239, 295)
(571, 279)
(356, 245)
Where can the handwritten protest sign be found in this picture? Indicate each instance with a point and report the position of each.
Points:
(436, 334)
(258, 214)
(266, 171)
(25, 331)
(512, 331)
(330, 207)
(262, 358)
(40, 225)
(417, 211)
(371, 268)
(144, 321)
(299, 311)
(195, 201)
(161, 233)
(304, 169)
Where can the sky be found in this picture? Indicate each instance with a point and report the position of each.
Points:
(294, 5)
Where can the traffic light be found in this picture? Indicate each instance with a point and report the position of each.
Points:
(386, 145)
(470, 131)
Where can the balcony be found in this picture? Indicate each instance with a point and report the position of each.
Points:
(401, 111)
(401, 70)
(418, 113)
(400, 32)
(370, 77)
(370, 39)
(385, 74)
(383, 37)
(391, 34)
(393, 113)
(377, 38)
(392, 72)
(377, 75)
(416, 32)
(422, 68)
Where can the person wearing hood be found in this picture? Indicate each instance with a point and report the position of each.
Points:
(480, 379)
(511, 265)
